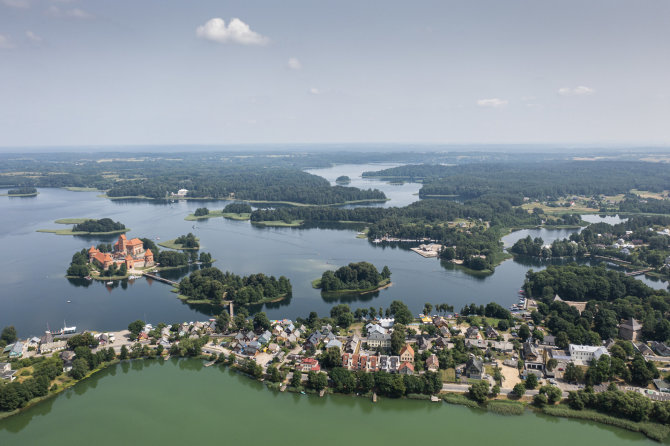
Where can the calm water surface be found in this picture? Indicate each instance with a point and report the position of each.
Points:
(181, 402)
(33, 291)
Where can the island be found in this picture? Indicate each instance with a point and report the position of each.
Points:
(21, 192)
(233, 211)
(211, 286)
(343, 180)
(355, 278)
(186, 242)
(88, 226)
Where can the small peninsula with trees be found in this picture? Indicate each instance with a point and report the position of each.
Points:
(355, 278)
(183, 242)
(88, 226)
(343, 180)
(232, 211)
(21, 192)
(212, 286)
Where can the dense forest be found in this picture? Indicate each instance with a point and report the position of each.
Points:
(237, 208)
(212, 284)
(542, 181)
(612, 296)
(355, 276)
(102, 225)
(22, 191)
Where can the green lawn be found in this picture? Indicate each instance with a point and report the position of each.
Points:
(292, 224)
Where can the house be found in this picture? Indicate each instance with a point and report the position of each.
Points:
(441, 342)
(630, 329)
(549, 340)
(313, 340)
(393, 364)
(52, 347)
(643, 348)
(372, 328)
(472, 332)
(407, 354)
(273, 348)
(662, 385)
(491, 333)
(432, 363)
(474, 368)
(444, 331)
(329, 337)
(352, 344)
(584, 354)
(424, 344)
(334, 343)
(386, 322)
(379, 340)
(309, 365)
(6, 371)
(264, 338)
(660, 348)
(406, 368)
(15, 350)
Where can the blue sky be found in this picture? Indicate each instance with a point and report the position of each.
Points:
(228, 72)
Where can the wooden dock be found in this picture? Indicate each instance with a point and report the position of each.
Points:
(160, 279)
(374, 397)
(210, 363)
(640, 272)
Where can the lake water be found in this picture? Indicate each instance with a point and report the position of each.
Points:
(34, 292)
(178, 402)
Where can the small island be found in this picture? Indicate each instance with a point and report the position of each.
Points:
(355, 278)
(21, 192)
(211, 286)
(187, 242)
(233, 211)
(343, 180)
(88, 226)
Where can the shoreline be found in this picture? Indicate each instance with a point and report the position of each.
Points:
(386, 283)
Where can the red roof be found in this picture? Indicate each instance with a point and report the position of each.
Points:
(148, 253)
(134, 241)
(407, 348)
(92, 250)
(408, 365)
(122, 237)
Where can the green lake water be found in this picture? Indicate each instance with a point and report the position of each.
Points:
(182, 402)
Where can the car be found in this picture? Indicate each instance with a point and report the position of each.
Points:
(552, 381)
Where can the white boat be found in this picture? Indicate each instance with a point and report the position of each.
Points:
(110, 283)
(68, 301)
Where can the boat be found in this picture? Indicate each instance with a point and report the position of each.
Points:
(68, 301)
(88, 278)
(303, 392)
(158, 238)
(110, 283)
(63, 331)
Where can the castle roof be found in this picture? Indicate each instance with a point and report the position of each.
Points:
(135, 241)
(92, 250)
(102, 257)
(128, 257)
(148, 253)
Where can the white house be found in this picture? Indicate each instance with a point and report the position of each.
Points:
(584, 354)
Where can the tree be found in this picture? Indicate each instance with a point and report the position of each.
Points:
(317, 381)
(343, 380)
(79, 368)
(503, 325)
(135, 328)
(386, 273)
(495, 390)
(200, 212)
(540, 400)
(554, 394)
(397, 338)
(573, 373)
(124, 353)
(331, 358)
(524, 332)
(401, 312)
(296, 380)
(9, 335)
(261, 322)
(82, 340)
(519, 390)
(562, 340)
(479, 391)
(274, 374)
(223, 321)
(427, 309)
(551, 364)
(531, 381)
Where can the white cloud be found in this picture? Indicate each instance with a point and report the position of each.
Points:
(314, 90)
(73, 13)
(21, 4)
(236, 32)
(577, 91)
(5, 43)
(33, 37)
(294, 64)
(492, 103)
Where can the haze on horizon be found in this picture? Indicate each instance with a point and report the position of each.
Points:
(86, 73)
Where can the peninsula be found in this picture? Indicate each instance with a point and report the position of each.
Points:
(88, 226)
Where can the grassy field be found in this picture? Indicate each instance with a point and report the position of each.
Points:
(170, 244)
(646, 194)
(448, 376)
(234, 216)
(293, 224)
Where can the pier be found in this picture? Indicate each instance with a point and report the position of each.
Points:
(161, 279)
(640, 272)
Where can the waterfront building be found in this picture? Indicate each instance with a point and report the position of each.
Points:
(128, 252)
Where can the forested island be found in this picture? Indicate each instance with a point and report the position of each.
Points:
(355, 278)
(183, 242)
(212, 286)
(87, 226)
(22, 192)
(343, 180)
